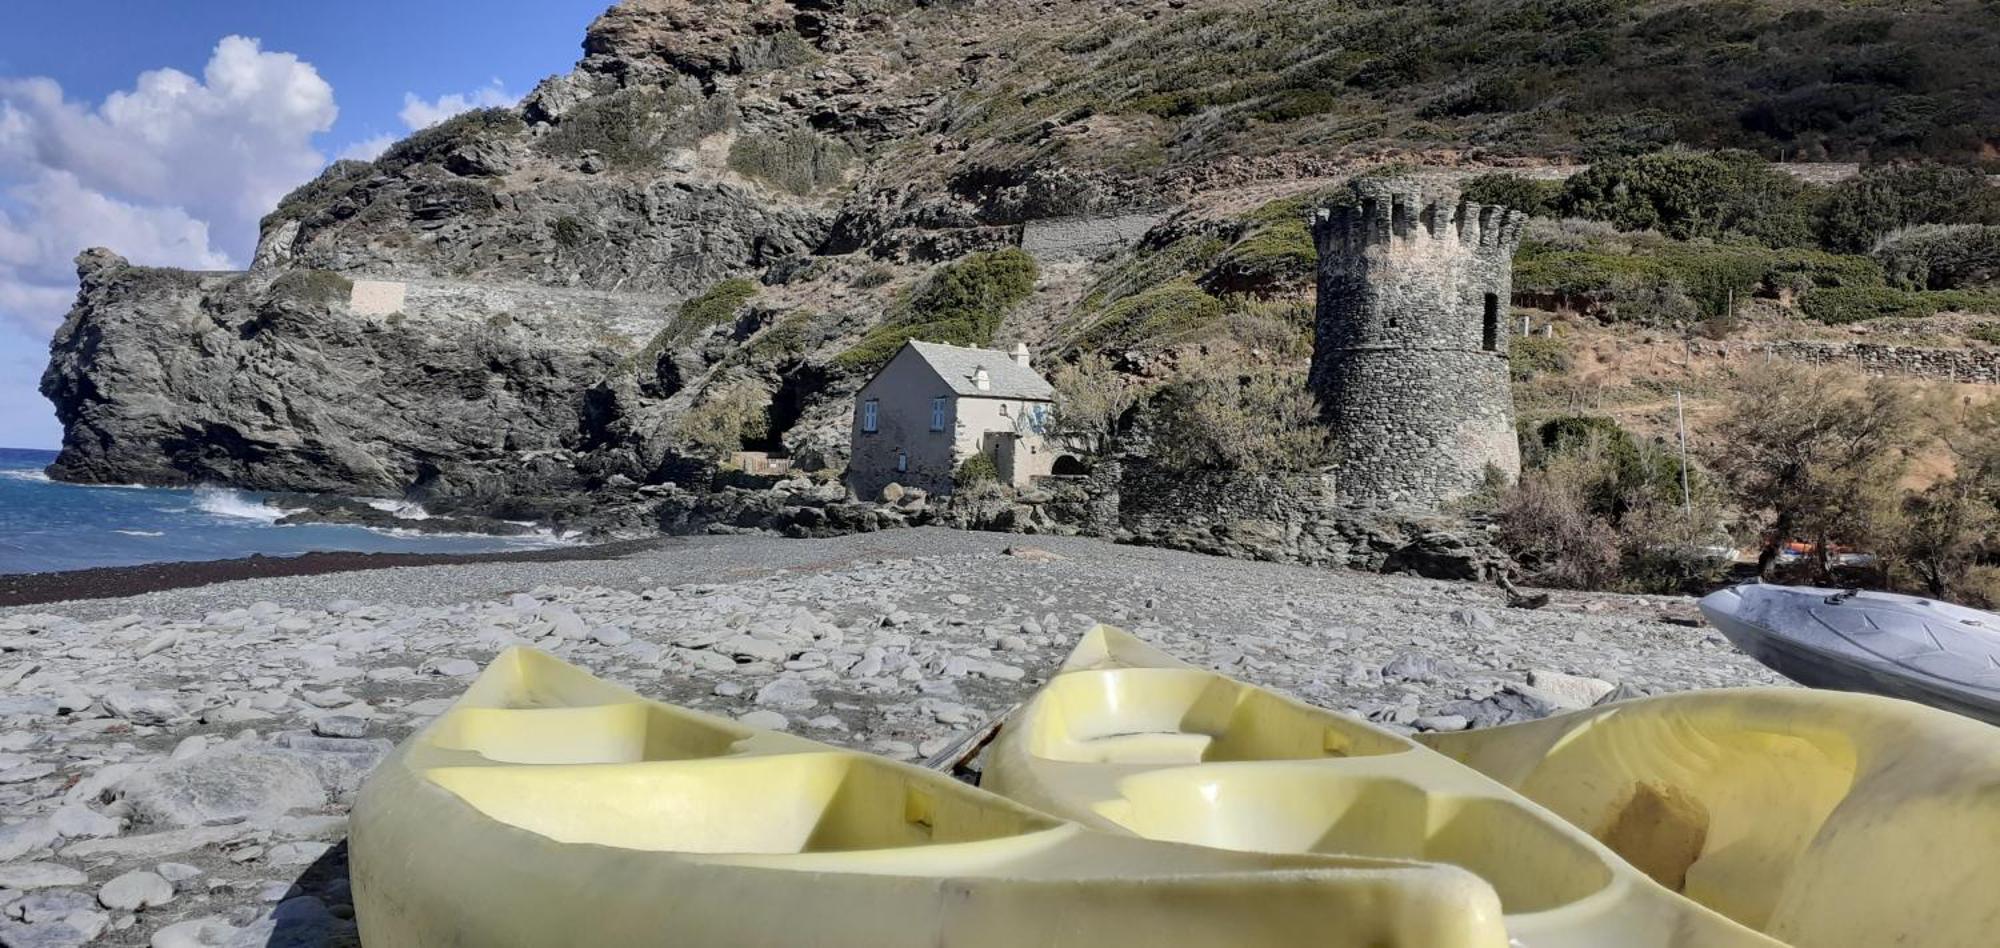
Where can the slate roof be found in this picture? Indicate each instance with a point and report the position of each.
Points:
(955, 364)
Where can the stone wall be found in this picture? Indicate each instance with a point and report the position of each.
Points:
(1977, 366)
(1409, 359)
(1084, 238)
(1285, 518)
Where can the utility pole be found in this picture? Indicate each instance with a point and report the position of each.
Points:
(1687, 498)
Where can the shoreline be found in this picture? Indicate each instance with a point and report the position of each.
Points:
(117, 582)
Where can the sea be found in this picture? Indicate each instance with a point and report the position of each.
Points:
(48, 526)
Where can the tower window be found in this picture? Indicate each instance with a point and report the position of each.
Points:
(869, 413)
(1492, 335)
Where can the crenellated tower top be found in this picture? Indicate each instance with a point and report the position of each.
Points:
(1410, 341)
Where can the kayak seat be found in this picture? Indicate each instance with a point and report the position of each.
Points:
(1165, 716)
(1531, 864)
(595, 734)
(776, 804)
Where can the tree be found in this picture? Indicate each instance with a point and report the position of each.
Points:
(1688, 194)
(1092, 400)
(1218, 417)
(1818, 453)
(1947, 531)
(1863, 209)
(717, 428)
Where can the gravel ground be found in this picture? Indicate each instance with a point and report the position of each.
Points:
(175, 767)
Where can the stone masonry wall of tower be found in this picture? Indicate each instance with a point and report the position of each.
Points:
(1410, 343)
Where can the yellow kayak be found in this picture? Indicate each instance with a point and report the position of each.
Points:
(547, 807)
(1743, 817)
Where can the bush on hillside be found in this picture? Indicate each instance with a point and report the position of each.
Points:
(312, 287)
(1157, 315)
(1530, 356)
(1884, 199)
(1837, 306)
(1217, 417)
(1687, 194)
(961, 304)
(798, 160)
(433, 143)
(720, 426)
(1526, 195)
(1941, 256)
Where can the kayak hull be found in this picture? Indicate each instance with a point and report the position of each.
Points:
(549, 808)
(1734, 817)
(1129, 739)
(1904, 647)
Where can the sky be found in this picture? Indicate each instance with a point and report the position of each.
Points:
(164, 129)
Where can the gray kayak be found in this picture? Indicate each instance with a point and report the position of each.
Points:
(1940, 654)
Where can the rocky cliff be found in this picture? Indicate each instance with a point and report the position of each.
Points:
(519, 308)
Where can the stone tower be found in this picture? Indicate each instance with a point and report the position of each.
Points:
(1410, 340)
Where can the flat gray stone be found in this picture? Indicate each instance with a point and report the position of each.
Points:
(39, 875)
(136, 890)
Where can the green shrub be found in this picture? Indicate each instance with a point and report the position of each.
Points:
(873, 277)
(1883, 199)
(1277, 258)
(1156, 315)
(1988, 333)
(431, 144)
(798, 160)
(1220, 417)
(1962, 301)
(1672, 282)
(1291, 105)
(1529, 356)
(569, 231)
(1686, 194)
(962, 304)
(789, 339)
(1941, 256)
(720, 425)
(1837, 306)
(1526, 195)
(1146, 268)
(635, 128)
(717, 304)
(312, 287)
(1633, 471)
(975, 470)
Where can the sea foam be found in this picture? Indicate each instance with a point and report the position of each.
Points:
(230, 503)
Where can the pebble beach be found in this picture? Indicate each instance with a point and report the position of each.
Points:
(175, 767)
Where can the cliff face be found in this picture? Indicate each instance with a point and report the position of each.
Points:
(831, 152)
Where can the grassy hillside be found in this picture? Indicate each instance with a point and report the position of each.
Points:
(1586, 78)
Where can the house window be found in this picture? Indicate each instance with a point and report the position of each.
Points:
(902, 461)
(1492, 336)
(868, 416)
(937, 414)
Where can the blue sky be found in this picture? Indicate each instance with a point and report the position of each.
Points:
(164, 128)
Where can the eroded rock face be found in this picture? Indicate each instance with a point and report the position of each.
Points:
(168, 377)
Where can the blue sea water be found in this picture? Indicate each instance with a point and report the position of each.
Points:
(46, 526)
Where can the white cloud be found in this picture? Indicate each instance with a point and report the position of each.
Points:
(174, 171)
(418, 113)
(367, 149)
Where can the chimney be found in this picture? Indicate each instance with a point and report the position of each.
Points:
(1021, 354)
(981, 380)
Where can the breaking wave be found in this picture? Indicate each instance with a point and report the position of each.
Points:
(231, 503)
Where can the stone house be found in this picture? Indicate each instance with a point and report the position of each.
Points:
(934, 406)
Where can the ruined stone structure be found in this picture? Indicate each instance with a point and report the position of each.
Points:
(1410, 350)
